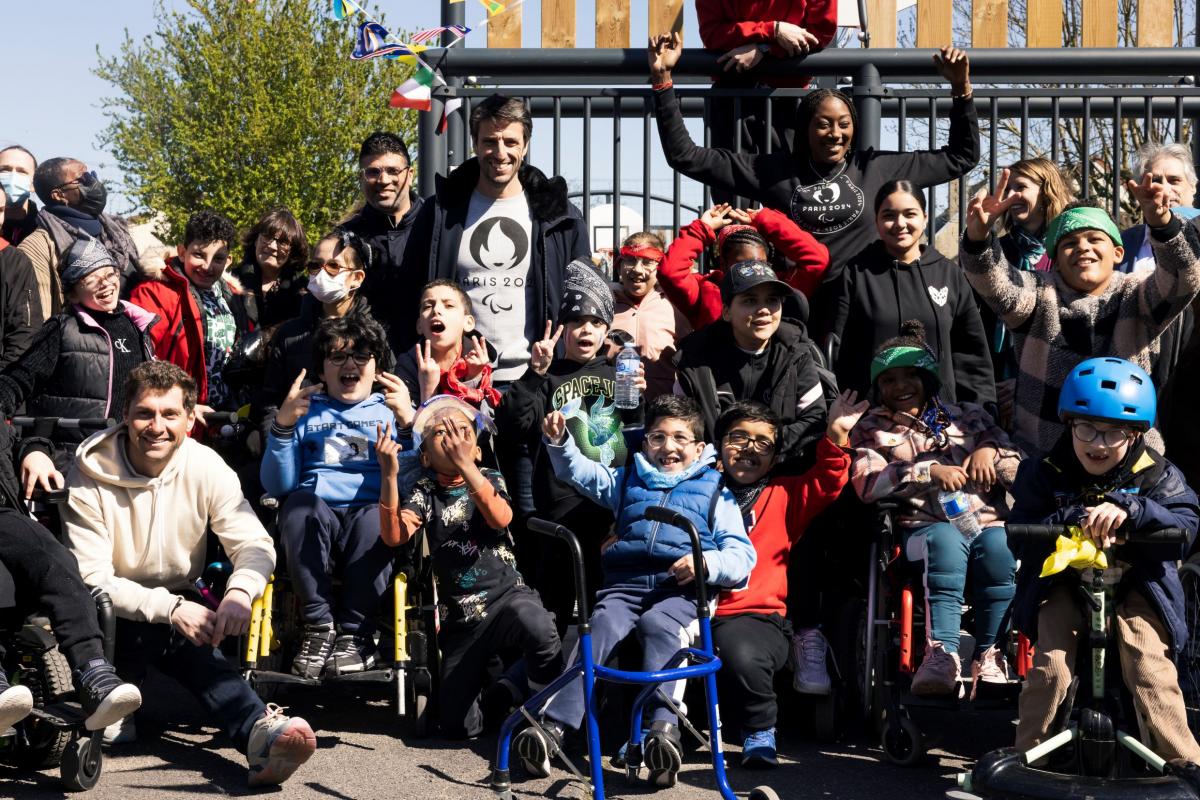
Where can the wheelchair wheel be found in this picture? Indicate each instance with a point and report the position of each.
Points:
(1189, 659)
(49, 679)
(763, 793)
(82, 763)
(902, 742)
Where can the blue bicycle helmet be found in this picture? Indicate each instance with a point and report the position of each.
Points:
(1109, 390)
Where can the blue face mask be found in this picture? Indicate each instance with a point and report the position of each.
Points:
(16, 186)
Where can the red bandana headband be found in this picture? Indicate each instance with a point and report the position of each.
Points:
(643, 251)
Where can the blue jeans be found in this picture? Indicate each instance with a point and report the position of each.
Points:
(203, 671)
(950, 560)
(661, 617)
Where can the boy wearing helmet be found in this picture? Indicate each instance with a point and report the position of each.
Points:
(1102, 476)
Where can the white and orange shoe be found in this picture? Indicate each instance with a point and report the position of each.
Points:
(279, 744)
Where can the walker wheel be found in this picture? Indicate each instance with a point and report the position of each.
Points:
(504, 794)
(763, 793)
(903, 743)
(420, 716)
(81, 765)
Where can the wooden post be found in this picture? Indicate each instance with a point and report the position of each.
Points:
(505, 28)
(1099, 23)
(989, 23)
(612, 23)
(1044, 24)
(665, 16)
(1155, 23)
(934, 23)
(881, 22)
(558, 23)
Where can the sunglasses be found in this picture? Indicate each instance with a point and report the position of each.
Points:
(88, 178)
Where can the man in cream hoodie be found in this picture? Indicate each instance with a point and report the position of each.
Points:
(143, 496)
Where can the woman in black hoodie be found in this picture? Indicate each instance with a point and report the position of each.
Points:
(898, 278)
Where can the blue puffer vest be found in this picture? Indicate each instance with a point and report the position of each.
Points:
(644, 550)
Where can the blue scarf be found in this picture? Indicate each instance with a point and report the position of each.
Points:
(84, 222)
(656, 479)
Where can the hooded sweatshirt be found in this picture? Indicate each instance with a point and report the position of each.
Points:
(144, 540)
(877, 294)
(656, 326)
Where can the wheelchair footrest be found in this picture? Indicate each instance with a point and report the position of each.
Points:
(387, 675)
(61, 715)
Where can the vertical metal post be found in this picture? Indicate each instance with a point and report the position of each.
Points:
(431, 150)
(616, 171)
(454, 14)
(868, 98)
(1118, 143)
(647, 114)
(587, 168)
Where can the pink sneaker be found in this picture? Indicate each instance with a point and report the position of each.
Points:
(938, 673)
(990, 667)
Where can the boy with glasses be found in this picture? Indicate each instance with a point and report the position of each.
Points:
(750, 627)
(320, 455)
(647, 566)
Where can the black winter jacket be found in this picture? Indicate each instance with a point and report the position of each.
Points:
(1055, 490)
(876, 294)
(20, 304)
(385, 283)
(709, 359)
(559, 234)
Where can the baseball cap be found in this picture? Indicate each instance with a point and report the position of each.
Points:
(745, 275)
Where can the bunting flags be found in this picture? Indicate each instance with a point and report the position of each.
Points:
(372, 43)
(340, 9)
(451, 105)
(421, 37)
(414, 92)
(493, 7)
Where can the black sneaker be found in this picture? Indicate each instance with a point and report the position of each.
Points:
(104, 696)
(314, 651)
(535, 746)
(663, 754)
(351, 653)
(15, 703)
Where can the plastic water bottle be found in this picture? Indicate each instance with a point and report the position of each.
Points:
(628, 361)
(958, 511)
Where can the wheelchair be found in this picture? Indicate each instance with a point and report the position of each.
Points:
(1102, 760)
(689, 662)
(878, 643)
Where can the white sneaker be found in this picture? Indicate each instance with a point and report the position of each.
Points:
(15, 704)
(123, 731)
(279, 744)
(810, 673)
(991, 667)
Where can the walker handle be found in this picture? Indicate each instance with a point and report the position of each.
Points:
(556, 531)
(668, 516)
(1052, 532)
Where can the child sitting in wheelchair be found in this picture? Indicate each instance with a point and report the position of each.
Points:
(910, 447)
(486, 608)
(1103, 477)
(647, 565)
(318, 455)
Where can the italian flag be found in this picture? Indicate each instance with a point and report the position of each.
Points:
(414, 92)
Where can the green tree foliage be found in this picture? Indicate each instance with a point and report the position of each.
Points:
(241, 106)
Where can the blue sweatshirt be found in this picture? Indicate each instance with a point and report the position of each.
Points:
(330, 452)
(728, 566)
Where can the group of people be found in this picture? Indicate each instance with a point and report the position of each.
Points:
(441, 369)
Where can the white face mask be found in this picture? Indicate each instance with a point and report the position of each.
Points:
(16, 186)
(328, 289)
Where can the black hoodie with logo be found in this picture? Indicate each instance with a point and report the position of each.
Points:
(875, 294)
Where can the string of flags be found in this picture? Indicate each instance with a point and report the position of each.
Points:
(373, 40)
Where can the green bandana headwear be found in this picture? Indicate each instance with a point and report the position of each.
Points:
(1078, 219)
(903, 356)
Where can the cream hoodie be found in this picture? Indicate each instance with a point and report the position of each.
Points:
(143, 539)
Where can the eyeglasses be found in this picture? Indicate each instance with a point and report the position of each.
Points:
(340, 357)
(281, 244)
(97, 279)
(1088, 433)
(658, 439)
(741, 440)
(332, 267)
(375, 174)
(86, 179)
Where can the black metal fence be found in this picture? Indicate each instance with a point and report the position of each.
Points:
(1073, 113)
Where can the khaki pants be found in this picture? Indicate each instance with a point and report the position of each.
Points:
(1146, 668)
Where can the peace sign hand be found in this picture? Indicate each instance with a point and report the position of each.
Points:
(396, 397)
(984, 209)
(296, 403)
(542, 353)
(476, 357)
(429, 374)
(1153, 198)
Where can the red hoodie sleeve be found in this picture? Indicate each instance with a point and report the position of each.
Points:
(812, 492)
(810, 256)
(696, 297)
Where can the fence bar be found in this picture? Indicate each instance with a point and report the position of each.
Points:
(932, 211)
(1148, 115)
(466, 129)
(769, 114)
(902, 124)
(1179, 119)
(616, 165)
(993, 143)
(587, 165)
(1024, 126)
(963, 189)
(1116, 162)
(738, 201)
(1055, 132)
(646, 159)
(707, 143)
(676, 222)
(1085, 158)
(558, 136)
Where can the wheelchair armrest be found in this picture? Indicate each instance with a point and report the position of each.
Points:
(50, 496)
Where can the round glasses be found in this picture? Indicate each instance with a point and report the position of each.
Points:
(1087, 433)
(340, 357)
(658, 439)
(376, 174)
(332, 267)
(97, 279)
(742, 440)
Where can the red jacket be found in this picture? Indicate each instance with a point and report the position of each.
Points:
(698, 296)
(726, 24)
(780, 516)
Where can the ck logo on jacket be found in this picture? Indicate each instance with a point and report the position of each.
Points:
(939, 295)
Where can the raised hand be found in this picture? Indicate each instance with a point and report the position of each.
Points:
(1154, 199)
(955, 67)
(387, 451)
(476, 357)
(663, 54)
(843, 415)
(396, 397)
(743, 216)
(717, 217)
(459, 449)
(295, 404)
(429, 374)
(984, 209)
(554, 426)
(795, 40)
(741, 59)
(542, 352)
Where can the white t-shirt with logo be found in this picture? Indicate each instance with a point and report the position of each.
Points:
(494, 257)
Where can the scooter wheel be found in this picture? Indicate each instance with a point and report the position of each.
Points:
(902, 742)
(763, 793)
(81, 765)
